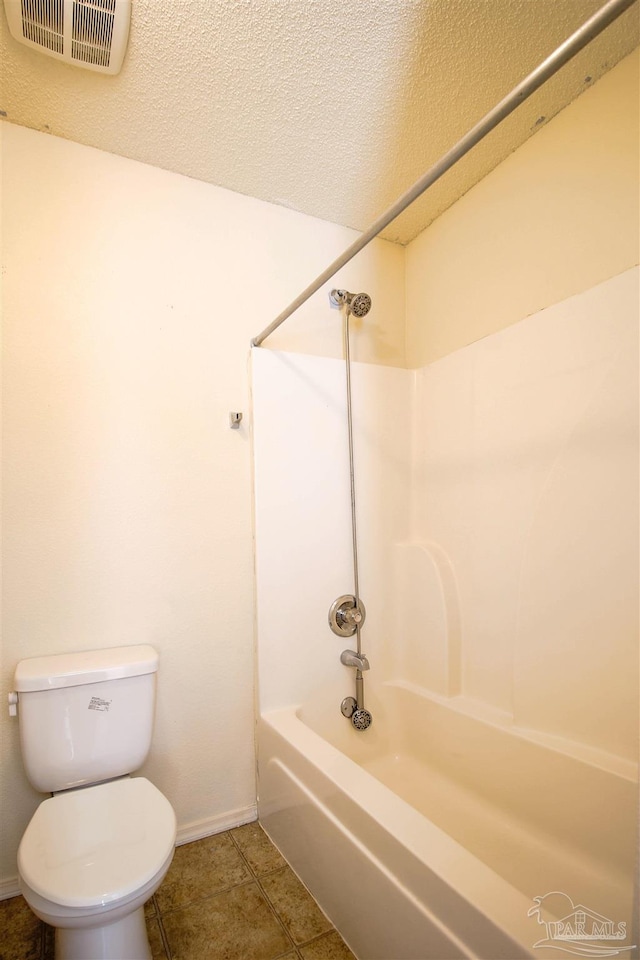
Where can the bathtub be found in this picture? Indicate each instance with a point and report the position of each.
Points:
(429, 835)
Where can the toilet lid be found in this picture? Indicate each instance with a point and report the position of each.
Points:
(95, 845)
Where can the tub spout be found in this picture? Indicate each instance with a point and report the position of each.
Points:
(352, 659)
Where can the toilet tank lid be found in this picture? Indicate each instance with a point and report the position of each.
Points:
(90, 666)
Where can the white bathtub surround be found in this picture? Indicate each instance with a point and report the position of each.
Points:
(303, 520)
(526, 466)
(497, 523)
(428, 605)
(497, 520)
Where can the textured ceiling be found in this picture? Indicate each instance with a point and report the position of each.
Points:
(330, 107)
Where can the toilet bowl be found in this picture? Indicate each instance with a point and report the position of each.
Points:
(97, 849)
(88, 861)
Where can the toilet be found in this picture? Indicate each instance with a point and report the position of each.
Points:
(100, 846)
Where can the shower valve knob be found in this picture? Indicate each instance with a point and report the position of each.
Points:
(346, 615)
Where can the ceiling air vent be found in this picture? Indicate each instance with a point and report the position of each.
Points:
(88, 33)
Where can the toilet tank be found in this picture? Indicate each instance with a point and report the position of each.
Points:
(85, 717)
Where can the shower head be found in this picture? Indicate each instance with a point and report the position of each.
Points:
(357, 304)
(360, 304)
(361, 719)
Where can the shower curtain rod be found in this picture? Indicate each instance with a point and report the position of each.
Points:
(571, 46)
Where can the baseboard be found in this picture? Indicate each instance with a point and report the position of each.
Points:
(198, 829)
(9, 888)
(190, 831)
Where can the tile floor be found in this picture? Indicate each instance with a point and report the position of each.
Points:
(227, 897)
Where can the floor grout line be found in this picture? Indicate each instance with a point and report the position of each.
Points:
(163, 932)
(208, 896)
(303, 943)
(264, 894)
(276, 915)
(43, 940)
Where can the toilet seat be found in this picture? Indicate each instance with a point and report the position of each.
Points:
(96, 845)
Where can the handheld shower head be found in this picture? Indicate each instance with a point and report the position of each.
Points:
(358, 304)
(361, 719)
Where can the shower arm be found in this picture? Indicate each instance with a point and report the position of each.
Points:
(589, 30)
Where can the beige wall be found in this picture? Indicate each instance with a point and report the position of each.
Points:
(557, 217)
(129, 298)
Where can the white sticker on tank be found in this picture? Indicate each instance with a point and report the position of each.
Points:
(97, 703)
